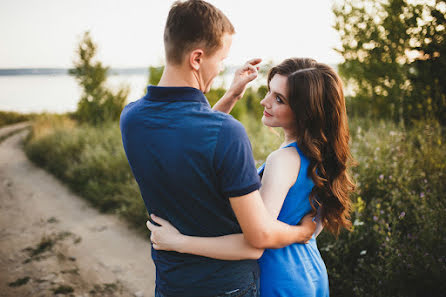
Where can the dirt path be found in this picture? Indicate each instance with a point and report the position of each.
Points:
(53, 243)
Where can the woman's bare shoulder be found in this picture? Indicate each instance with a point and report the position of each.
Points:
(285, 163)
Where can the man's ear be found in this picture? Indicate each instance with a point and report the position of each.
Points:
(195, 58)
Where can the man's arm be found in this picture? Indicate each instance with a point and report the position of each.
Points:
(238, 180)
(260, 229)
(228, 247)
(281, 172)
(242, 77)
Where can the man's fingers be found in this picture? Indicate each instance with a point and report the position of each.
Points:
(254, 61)
(252, 76)
(249, 69)
(253, 73)
(158, 220)
(250, 65)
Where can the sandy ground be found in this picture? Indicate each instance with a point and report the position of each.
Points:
(53, 243)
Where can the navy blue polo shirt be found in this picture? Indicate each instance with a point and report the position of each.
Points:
(188, 160)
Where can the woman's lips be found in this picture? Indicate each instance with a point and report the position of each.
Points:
(266, 114)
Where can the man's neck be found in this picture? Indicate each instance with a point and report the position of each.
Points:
(177, 76)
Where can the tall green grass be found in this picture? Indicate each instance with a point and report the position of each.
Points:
(398, 243)
(10, 117)
(91, 160)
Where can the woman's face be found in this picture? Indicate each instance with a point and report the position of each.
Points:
(277, 112)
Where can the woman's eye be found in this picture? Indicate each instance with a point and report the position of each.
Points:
(278, 99)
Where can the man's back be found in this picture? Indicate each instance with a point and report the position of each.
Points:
(187, 160)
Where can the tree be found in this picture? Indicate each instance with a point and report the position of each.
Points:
(155, 74)
(394, 53)
(98, 104)
(428, 72)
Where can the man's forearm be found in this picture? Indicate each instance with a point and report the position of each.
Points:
(280, 235)
(226, 103)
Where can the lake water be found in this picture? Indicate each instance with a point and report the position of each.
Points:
(61, 93)
(56, 93)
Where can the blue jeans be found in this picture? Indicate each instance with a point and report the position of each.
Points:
(253, 290)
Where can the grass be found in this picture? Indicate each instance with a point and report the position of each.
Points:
(63, 289)
(9, 117)
(46, 244)
(91, 161)
(19, 282)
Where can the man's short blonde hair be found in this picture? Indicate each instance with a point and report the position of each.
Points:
(194, 23)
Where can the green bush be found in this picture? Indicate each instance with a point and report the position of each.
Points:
(98, 104)
(91, 160)
(10, 117)
(398, 243)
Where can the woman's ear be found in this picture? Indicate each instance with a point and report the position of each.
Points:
(195, 58)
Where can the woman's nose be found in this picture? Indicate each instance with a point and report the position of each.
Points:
(264, 102)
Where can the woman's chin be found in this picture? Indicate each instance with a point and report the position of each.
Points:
(265, 122)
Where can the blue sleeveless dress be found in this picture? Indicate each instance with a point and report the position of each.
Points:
(296, 270)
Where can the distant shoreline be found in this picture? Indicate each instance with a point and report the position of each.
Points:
(113, 71)
(64, 71)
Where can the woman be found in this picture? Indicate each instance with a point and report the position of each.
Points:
(307, 173)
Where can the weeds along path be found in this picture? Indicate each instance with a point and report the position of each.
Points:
(9, 130)
(52, 241)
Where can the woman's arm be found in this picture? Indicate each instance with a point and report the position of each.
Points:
(258, 219)
(228, 247)
(280, 174)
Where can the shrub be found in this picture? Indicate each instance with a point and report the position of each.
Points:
(10, 117)
(398, 243)
(91, 160)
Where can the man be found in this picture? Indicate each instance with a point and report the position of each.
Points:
(194, 165)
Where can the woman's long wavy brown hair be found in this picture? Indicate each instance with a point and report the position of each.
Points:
(317, 100)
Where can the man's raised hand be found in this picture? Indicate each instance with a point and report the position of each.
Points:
(245, 74)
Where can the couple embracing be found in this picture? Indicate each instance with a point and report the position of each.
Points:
(219, 226)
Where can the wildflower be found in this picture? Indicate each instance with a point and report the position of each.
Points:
(375, 218)
(381, 177)
(402, 215)
(422, 195)
(362, 253)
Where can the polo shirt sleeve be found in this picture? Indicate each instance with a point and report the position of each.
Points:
(234, 162)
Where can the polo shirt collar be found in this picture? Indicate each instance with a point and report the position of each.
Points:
(157, 93)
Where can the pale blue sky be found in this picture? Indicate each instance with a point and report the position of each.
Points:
(44, 33)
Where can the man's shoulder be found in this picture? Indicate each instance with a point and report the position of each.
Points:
(127, 113)
(231, 131)
(129, 107)
(229, 124)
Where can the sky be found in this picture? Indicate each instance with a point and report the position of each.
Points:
(45, 33)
